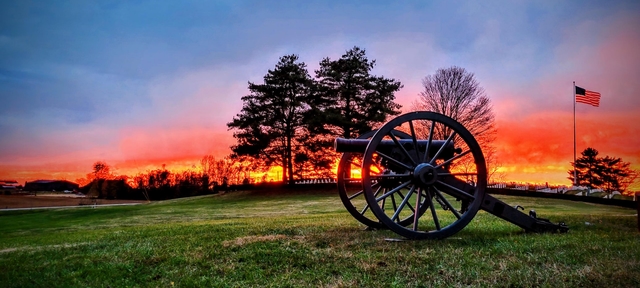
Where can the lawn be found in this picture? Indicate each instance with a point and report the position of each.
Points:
(244, 239)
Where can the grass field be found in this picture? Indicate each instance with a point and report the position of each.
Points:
(245, 240)
(54, 200)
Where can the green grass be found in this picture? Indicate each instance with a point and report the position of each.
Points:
(245, 240)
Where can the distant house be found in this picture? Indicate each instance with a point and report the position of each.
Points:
(9, 185)
(50, 185)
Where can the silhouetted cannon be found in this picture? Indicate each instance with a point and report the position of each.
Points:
(422, 175)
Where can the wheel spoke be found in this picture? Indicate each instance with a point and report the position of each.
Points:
(377, 191)
(415, 140)
(463, 193)
(393, 203)
(403, 203)
(394, 190)
(454, 158)
(366, 206)
(416, 212)
(442, 147)
(356, 194)
(426, 149)
(433, 210)
(362, 191)
(394, 160)
(404, 150)
(446, 202)
(408, 204)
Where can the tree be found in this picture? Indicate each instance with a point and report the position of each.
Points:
(350, 101)
(606, 173)
(101, 170)
(271, 120)
(587, 169)
(456, 93)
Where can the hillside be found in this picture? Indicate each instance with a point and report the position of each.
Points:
(294, 239)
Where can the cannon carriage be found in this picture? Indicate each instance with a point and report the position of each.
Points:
(423, 176)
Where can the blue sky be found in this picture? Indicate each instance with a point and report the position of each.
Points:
(136, 83)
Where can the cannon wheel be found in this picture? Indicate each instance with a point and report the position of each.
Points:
(450, 182)
(349, 195)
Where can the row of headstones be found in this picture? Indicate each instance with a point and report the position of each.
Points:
(538, 188)
(317, 181)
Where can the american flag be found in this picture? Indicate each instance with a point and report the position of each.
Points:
(587, 97)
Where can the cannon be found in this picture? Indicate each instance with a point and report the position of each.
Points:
(423, 176)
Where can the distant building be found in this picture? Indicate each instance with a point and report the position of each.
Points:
(50, 185)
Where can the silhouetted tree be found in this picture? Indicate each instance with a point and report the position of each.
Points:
(271, 119)
(101, 170)
(606, 173)
(350, 101)
(587, 169)
(347, 102)
(456, 93)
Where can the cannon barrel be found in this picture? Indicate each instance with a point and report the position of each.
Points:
(343, 145)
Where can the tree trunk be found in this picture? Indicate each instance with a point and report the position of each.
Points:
(289, 161)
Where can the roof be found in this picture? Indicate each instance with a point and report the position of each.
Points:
(49, 181)
(42, 181)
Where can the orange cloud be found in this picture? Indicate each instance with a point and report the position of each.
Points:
(539, 147)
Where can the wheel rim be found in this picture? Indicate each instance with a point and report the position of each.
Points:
(351, 190)
(449, 183)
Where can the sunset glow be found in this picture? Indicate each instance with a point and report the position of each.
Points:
(127, 86)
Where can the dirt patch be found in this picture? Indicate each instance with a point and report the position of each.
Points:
(256, 238)
(31, 201)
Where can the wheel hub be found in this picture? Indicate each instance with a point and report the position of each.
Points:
(425, 175)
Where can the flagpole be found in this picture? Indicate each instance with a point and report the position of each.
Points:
(575, 173)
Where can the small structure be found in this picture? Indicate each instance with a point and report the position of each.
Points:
(50, 185)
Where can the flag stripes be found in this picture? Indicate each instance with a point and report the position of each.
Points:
(587, 97)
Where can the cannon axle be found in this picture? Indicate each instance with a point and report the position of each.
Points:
(343, 145)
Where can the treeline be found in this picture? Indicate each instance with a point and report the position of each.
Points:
(213, 176)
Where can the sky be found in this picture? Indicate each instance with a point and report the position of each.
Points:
(138, 84)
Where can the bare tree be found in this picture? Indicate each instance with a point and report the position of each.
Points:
(226, 170)
(456, 93)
